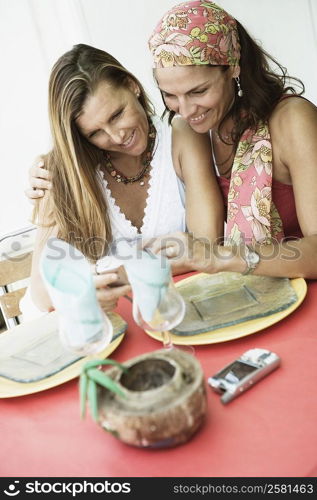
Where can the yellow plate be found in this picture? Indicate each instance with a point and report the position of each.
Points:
(27, 332)
(241, 329)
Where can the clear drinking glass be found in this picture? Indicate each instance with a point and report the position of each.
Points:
(170, 311)
(168, 314)
(83, 326)
(84, 341)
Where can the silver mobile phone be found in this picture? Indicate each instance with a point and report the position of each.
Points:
(243, 373)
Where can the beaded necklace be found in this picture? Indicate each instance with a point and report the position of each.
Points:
(146, 162)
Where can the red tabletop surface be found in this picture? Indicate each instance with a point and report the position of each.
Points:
(270, 431)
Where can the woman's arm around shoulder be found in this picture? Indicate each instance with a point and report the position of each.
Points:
(192, 159)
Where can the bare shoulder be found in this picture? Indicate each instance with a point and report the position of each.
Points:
(293, 124)
(182, 130)
(182, 134)
(180, 125)
(292, 114)
(185, 138)
(188, 146)
(294, 132)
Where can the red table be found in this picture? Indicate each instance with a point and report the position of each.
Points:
(270, 431)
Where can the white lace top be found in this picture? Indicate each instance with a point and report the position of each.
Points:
(165, 207)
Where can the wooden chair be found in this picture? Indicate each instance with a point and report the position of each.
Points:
(15, 268)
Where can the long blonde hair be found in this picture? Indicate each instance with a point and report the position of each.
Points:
(77, 202)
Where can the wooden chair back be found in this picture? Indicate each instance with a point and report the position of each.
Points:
(15, 266)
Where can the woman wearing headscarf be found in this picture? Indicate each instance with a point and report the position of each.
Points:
(263, 135)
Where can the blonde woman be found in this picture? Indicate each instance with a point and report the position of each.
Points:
(117, 170)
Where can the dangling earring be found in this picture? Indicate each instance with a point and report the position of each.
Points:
(138, 94)
(240, 91)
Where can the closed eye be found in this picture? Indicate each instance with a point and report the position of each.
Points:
(200, 91)
(193, 92)
(94, 133)
(113, 117)
(117, 114)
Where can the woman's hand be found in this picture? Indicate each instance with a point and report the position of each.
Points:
(199, 254)
(39, 180)
(184, 250)
(108, 295)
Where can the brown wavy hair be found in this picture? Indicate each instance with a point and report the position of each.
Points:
(77, 202)
(263, 87)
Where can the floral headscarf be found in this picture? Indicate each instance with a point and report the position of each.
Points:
(195, 33)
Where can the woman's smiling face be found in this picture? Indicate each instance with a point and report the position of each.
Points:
(114, 120)
(202, 95)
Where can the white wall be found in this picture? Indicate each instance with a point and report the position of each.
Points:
(34, 33)
(287, 29)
